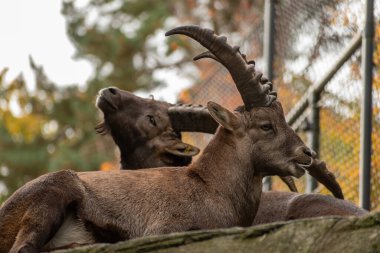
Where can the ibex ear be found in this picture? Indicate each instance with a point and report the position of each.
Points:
(224, 117)
(182, 149)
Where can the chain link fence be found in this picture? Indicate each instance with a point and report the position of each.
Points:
(309, 35)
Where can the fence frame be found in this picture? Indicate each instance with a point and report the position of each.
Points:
(366, 108)
(313, 95)
(269, 34)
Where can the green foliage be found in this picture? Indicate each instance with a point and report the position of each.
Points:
(125, 39)
(116, 42)
(47, 129)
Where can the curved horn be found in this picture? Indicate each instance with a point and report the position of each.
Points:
(247, 81)
(206, 54)
(320, 172)
(191, 118)
(290, 183)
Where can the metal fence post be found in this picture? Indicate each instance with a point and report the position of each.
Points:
(366, 109)
(313, 136)
(268, 56)
(318, 87)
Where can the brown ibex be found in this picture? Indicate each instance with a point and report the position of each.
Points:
(221, 189)
(142, 130)
(274, 205)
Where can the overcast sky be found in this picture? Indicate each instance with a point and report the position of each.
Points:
(38, 29)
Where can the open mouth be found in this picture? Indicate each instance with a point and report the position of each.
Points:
(299, 169)
(303, 165)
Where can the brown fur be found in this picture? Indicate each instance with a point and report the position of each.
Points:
(283, 206)
(35, 211)
(221, 189)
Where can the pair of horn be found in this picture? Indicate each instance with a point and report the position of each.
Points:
(255, 91)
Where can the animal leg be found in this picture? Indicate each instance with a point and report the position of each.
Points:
(38, 225)
(33, 214)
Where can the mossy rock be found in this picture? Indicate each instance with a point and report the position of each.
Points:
(325, 234)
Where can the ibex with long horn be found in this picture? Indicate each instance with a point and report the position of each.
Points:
(274, 205)
(221, 189)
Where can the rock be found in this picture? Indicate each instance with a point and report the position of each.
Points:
(325, 234)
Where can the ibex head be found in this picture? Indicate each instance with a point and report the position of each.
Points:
(277, 149)
(260, 124)
(145, 137)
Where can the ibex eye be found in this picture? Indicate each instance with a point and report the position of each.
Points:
(152, 120)
(266, 127)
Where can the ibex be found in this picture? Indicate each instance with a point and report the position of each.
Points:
(274, 205)
(142, 130)
(221, 189)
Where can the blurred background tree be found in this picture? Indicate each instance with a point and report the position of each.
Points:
(125, 39)
(47, 129)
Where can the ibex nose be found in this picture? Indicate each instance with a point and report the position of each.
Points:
(108, 98)
(308, 152)
(113, 90)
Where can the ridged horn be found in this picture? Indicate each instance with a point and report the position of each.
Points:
(248, 82)
(206, 54)
(290, 183)
(320, 172)
(191, 118)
